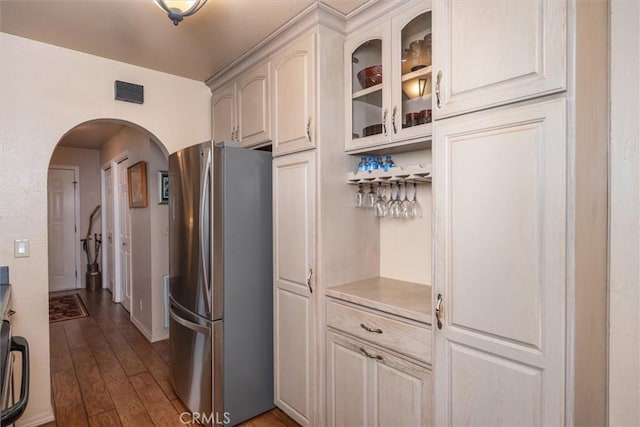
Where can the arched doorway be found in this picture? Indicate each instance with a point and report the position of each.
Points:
(127, 245)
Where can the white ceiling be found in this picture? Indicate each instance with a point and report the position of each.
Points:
(140, 33)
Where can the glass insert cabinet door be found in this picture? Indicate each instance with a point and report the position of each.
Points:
(368, 91)
(412, 79)
(388, 81)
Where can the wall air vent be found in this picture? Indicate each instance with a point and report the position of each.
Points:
(129, 92)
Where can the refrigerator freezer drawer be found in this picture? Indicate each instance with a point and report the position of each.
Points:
(196, 359)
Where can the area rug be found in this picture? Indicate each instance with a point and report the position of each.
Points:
(66, 307)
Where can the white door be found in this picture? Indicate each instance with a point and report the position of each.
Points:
(294, 97)
(254, 108)
(500, 222)
(489, 52)
(224, 116)
(108, 181)
(63, 241)
(294, 300)
(125, 235)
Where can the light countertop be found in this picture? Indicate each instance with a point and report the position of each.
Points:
(406, 299)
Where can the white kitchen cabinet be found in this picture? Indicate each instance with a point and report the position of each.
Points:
(368, 386)
(505, 260)
(520, 203)
(294, 96)
(380, 110)
(223, 106)
(490, 53)
(242, 109)
(294, 300)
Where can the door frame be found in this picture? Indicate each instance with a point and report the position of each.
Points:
(76, 212)
(117, 244)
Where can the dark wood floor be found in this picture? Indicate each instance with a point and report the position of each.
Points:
(105, 373)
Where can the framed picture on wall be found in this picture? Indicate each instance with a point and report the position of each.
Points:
(163, 187)
(137, 175)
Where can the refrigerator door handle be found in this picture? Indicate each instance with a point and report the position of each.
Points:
(187, 324)
(206, 186)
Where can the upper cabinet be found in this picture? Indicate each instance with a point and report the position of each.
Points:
(223, 107)
(388, 81)
(241, 109)
(293, 88)
(490, 53)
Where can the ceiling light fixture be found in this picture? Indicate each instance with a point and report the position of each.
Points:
(175, 8)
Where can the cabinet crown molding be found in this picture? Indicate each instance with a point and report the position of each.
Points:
(317, 14)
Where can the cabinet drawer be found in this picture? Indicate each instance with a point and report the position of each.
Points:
(395, 334)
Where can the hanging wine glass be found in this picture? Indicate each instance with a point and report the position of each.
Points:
(359, 197)
(416, 209)
(396, 206)
(390, 201)
(380, 206)
(370, 198)
(405, 206)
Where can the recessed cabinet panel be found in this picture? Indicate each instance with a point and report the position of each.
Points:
(348, 383)
(294, 375)
(489, 53)
(291, 215)
(224, 120)
(500, 212)
(492, 391)
(402, 393)
(504, 224)
(254, 119)
(293, 97)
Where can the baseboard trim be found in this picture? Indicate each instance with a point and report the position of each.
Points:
(141, 328)
(162, 336)
(36, 420)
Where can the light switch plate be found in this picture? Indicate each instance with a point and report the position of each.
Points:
(21, 248)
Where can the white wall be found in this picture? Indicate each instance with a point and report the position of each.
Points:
(44, 92)
(624, 274)
(405, 244)
(149, 233)
(88, 163)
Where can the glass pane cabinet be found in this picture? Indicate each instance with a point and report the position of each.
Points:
(388, 82)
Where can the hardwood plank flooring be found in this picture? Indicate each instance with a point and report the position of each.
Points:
(105, 373)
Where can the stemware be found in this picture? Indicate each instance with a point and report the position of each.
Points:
(380, 206)
(359, 197)
(390, 201)
(416, 209)
(396, 205)
(405, 206)
(370, 198)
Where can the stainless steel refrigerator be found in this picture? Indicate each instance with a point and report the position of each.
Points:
(220, 293)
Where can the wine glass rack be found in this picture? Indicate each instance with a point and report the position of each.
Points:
(407, 174)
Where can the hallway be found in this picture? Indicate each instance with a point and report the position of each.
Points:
(105, 373)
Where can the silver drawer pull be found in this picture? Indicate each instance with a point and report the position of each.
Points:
(369, 329)
(369, 355)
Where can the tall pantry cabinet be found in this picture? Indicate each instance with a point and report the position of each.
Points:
(520, 196)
